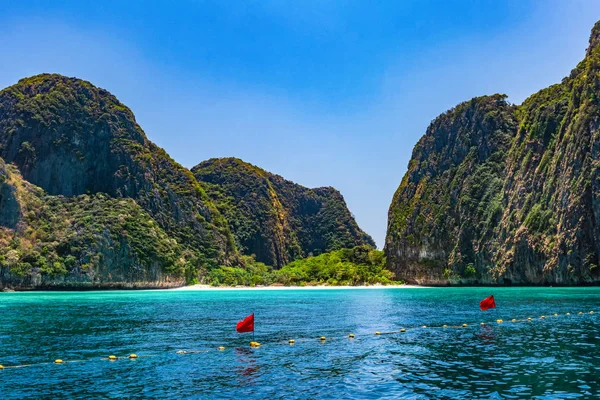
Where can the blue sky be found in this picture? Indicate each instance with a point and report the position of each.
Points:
(324, 93)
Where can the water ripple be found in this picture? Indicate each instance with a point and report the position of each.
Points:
(555, 357)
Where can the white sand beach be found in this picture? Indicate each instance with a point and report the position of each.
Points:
(321, 287)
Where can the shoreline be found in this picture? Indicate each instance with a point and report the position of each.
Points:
(201, 287)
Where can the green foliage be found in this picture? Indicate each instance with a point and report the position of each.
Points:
(128, 203)
(452, 194)
(85, 235)
(72, 138)
(539, 220)
(356, 266)
(470, 270)
(274, 219)
(511, 190)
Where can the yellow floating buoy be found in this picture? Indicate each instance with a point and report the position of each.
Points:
(424, 326)
(323, 338)
(529, 319)
(591, 312)
(221, 348)
(482, 323)
(445, 326)
(464, 325)
(133, 356)
(542, 317)
(112, 358)
(378, 333)
(59, 361)
(514, 320)
(579, 313)
(1, 367)
(180, 352)
(402, 330)
(568, 313)
(254, 344)
(556, 315)
(499, 321)
(351, 336)
(291, 341)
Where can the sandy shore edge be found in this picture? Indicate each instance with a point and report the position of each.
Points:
(208, 287)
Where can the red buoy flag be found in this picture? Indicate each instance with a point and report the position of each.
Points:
(487, 303)
(246, 325)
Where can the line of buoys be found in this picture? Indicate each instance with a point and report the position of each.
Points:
(256, 344)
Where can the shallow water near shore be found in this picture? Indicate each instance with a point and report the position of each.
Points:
(555, 357)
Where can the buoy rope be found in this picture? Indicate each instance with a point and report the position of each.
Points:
(294, 341)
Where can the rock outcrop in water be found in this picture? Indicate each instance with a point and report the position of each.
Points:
(504, 194)
(275, 219)
(86, 200)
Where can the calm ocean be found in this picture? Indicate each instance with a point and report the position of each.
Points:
(554, 357)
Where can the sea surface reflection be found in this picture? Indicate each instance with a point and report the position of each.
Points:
(554, 357)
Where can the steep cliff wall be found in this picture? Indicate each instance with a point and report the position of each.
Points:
(86, 200)
(80, 242)
(71, 138)
(275, 219)
(498, 194)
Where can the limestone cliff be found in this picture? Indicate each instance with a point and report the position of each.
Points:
(275, 219)
(86, 200)
(86, 241)
(503, 194)
(71, 138)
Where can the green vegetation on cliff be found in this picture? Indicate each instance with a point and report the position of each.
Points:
(274, 219)
(497, 193)
(450, 199)
(360, 265)
(72, 138)
(87, 200)
(88, 239)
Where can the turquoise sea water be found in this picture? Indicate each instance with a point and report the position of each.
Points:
(555, 357)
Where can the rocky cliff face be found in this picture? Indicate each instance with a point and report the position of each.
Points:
(72, 138)
(87, 201)
(87, 241)
(275, 219)
(502, 194)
